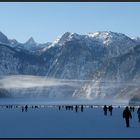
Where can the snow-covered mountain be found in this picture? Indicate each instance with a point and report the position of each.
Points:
(79, 56)
(30, 45)
(108, 59)
(19, 62)
(136, 39)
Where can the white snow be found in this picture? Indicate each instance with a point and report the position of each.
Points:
(117, 43)
(49, 122)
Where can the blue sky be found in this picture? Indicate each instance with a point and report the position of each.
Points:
(45, 21)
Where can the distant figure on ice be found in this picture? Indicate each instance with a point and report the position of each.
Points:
(66, 107)
(133, 108)
(76, 108)
(59, 107)
(26, 107)
(138, 112)
(105, 110)
(127, 115)
(72, 107)
(110, 108)
(82, 108)
(22, 108)
(35, 106)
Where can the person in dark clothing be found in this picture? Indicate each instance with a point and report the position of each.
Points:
(66, 107)
(22, 108)
(138, 112)
(133, 108)
(110, 108)
(82, 108)
(59, 107)
(26, 107)
(72, 107)
(127, 115)
(105, 110)
(76, 108)
(36, 106)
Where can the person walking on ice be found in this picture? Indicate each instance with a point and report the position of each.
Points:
(105, 110)
(110, 108)
(126, 116)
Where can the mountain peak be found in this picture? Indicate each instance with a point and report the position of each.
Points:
(107, 37)
(105, 34)
(30, 41)
(68, 36)
(103, 37)
(30, 44)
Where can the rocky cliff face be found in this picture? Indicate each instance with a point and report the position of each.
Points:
(111, 61)
(20, 62)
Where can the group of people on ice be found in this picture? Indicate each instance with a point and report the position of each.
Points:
(110, 108)
(71, 107)
(126, 113)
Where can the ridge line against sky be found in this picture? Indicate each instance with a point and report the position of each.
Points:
(45, 21)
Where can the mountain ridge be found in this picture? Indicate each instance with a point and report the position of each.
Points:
(98, 57)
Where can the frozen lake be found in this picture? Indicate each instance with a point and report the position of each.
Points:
(50, 122)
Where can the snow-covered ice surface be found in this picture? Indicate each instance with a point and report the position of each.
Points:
(49, 122)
